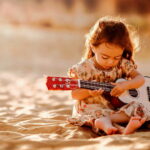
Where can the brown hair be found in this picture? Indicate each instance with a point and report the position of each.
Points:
(115, 31)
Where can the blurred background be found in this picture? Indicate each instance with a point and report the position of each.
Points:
(47, 36)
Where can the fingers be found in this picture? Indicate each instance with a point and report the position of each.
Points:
(96, 92)
(100, 91)
(116, 94)
(116, 91)
(114, 83)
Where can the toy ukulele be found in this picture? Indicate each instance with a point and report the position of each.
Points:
(141, 94)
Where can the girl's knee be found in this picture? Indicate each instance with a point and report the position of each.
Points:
(96, 122)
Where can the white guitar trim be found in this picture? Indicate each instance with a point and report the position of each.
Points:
(79, 84)
(142, 97)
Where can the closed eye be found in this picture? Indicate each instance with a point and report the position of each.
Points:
(104, 57)
(118, 57)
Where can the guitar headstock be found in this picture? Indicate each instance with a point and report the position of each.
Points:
(61, 83)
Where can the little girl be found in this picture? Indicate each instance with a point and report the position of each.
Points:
(110, 46)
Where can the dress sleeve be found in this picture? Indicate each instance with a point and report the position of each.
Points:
(79, 71)
(73, 71)
(127, 67)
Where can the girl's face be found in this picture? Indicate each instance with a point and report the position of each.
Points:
(107, 55)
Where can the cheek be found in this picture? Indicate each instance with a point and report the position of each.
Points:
(101, 61)
(116, 62)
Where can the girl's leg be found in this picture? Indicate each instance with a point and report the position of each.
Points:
(119, 117)
(134, 122)
(105, 124)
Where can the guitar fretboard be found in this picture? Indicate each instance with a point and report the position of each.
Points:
(92, 85)
(148, 92)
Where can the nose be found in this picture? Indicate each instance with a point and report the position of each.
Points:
(110, 62)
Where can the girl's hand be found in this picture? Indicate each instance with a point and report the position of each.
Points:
(95, 92)
(119, 88)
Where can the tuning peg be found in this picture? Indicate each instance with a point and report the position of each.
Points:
(68, 86)
(54, 86)
(61, 86)
(53, 79)
(59, 79)
(67, 80)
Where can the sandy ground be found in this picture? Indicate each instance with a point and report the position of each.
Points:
(33, 117)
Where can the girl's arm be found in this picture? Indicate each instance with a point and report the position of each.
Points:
(81, 94)
(136, 81)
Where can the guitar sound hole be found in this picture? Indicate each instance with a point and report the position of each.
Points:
(133, 92)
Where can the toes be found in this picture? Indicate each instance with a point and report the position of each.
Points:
(111, 131)
(121, 131)
(143, 120)
(115, 130)
(136, 118)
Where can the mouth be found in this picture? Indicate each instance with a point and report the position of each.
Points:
(107, 67)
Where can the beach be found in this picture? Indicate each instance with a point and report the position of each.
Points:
(33, 117)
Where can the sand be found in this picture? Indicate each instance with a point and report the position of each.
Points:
(33, 118)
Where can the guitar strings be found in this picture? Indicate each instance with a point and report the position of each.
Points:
(132, 91)
(97, 83)
(107, 89)
(92, 84)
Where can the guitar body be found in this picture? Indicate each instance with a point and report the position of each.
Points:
(141, 95)
(115, 101)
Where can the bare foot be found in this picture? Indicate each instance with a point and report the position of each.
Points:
(134, 123)
(105, 124)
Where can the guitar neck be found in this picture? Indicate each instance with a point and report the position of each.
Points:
(63, 83)
(92, 85)
(66, 83)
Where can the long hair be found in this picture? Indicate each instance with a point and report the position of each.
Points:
(115, 31)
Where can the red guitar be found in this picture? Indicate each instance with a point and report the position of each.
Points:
(141, 94)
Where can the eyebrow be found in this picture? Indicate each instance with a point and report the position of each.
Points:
(109, 56)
